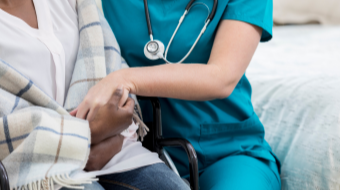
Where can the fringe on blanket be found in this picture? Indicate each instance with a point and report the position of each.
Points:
(63, 180)
(138, 119)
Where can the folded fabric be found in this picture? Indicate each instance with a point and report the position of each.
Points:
(307, 11)
(40, 143)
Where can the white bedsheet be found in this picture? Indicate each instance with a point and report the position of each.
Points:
(296, 93)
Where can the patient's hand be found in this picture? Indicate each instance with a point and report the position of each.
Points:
(102, 153)
(111, 119)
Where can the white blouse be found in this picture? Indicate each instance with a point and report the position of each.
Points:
(47, 57)
(45, 53)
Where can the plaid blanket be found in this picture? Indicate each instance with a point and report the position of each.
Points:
(40, 143)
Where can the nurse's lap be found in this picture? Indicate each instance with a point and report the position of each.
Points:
(239, 173)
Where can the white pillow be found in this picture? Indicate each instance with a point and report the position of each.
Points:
(307, 11)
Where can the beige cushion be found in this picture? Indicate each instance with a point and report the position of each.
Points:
(307, 11)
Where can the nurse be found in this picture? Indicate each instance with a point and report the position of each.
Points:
(207, 99)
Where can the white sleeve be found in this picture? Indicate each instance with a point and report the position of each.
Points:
(73, 4)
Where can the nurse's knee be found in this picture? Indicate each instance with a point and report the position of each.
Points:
(239, 172)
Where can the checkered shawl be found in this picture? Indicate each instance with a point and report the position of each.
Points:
(40, 143)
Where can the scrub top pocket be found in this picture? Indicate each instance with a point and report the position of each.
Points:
(219, 140)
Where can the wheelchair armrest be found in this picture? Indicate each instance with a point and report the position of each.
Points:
(4, 181)
(191, 153)
(159, 142)
(156, 127)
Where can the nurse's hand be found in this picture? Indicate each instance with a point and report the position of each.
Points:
(101, 154)
(110, 119)
(99, 95)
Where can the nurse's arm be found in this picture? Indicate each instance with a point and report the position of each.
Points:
(234, 45)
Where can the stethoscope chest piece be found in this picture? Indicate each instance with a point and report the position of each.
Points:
(154, 49)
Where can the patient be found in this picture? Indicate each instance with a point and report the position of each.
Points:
(40, 39)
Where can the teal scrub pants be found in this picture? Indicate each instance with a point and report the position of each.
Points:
(240, 172)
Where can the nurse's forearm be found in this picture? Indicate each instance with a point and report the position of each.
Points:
(234, 45)
(185, 81)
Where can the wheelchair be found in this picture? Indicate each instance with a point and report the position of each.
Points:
(156, 144)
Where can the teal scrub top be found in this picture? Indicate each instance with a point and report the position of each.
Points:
(217, 128)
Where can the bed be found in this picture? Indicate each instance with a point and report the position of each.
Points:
(296, 93)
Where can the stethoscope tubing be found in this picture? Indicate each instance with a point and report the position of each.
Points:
(213, 11)
(191, 49)
(147, 15)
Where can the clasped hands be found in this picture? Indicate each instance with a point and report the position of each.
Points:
(108, 118)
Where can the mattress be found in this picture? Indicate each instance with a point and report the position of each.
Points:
(296, 93)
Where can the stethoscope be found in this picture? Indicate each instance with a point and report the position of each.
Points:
(154, 49)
